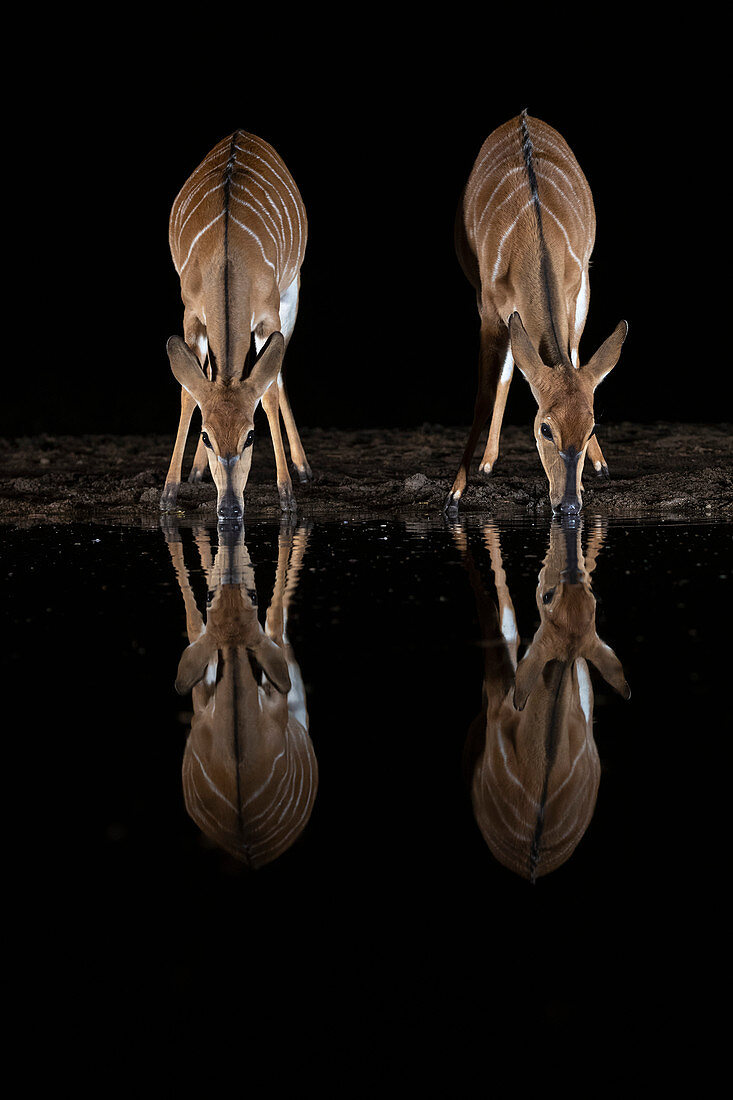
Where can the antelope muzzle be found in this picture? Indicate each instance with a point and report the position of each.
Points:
(570, 503)
(230, 506)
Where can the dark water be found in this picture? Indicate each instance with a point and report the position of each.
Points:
(387, 929)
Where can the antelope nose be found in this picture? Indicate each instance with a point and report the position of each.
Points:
(569, 507)
(229, 509)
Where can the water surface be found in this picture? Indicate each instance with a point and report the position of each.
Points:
(386, 886)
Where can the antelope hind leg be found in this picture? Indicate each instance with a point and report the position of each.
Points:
(200, 463)
(493, 353)
(594, 455)
(297, 452)
(271, 405)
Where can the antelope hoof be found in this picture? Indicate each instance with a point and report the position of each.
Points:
(168, 498)
(288, 502)
(305, 473)
(195, 476)
(486, 469)
(602, 472)
(450, 504)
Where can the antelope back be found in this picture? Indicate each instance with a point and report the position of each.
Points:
(237, 231)
(535, 785)
(529, 220)
(249, 770)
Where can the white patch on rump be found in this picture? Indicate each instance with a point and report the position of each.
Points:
(584, 688)
(581, 312)
(288, 313)
(508, 368)
(289, 308)
(509, 625)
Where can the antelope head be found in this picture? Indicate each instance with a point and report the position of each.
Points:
(227, 416)
(565, 420)
(567, 610)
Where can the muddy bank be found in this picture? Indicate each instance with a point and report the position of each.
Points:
(659, 469)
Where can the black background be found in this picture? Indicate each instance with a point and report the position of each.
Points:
(380, 130)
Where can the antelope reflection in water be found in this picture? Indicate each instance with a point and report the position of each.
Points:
(530, 757)
(249, 770)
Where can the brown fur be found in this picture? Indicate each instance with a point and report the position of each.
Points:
(524, 235)
(250, 774)
(237, 234)
(532, 763)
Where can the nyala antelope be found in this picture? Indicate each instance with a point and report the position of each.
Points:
(250, 774)
(524, 235)
(237, 234)
(531, 760)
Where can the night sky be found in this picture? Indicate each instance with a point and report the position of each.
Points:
(380, 143)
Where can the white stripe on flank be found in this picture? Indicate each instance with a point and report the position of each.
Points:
(506, 234)
(564, 232)
(284, 182)
(489, 207)
(197, 237)
(211, 783)
(259, 242)
(266, 227)
(567, 198)
(194, 209)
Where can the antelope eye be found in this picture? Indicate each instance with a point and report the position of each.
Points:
(546, 431)
(207, 441)
(249, 440)
(548, 595)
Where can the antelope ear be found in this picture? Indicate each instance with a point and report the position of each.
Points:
(267, 366)
(609, 666)
(186, 368)
(193, 664)
(606, 358)
(273, 663)
(525, 354)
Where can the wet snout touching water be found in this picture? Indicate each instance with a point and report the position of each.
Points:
(250, 774)
(531, 760)
(524, 234)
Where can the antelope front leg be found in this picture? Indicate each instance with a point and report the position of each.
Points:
(508, 616)
(173, 478)
(271, 405)
(491, 453)
(297, 453)
(594, 454)
(194, 618)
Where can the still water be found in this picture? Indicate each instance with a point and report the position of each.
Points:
(425, 771)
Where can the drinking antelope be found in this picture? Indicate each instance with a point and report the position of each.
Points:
(249, 772)
(237, 235)
(531, 759)
(524, 235)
